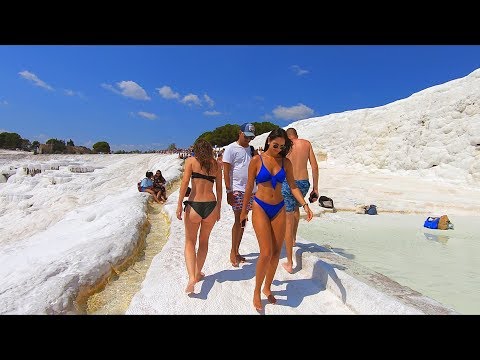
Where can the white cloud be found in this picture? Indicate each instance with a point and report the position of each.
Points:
(69, 92)
(34, 78)
(191, 98)
(133, 90)
(3, 102)
(209, 100)
(299, 71)
(212, 113)
(110, 87)
(128, 89)
(296, 112)
(147, 115)
(167, 93)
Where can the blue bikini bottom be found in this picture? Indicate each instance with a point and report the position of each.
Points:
(270, 210)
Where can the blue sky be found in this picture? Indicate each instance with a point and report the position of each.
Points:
(147, 97)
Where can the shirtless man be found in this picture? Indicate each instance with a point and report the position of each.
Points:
(301, 154)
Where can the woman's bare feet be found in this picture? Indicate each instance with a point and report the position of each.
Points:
(200, 276)
(190, 288)
(257, 302)
(234, 261)
(288, 268)
(271, 299)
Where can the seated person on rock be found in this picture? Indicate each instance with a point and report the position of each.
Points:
(159, 186)
(147, 185)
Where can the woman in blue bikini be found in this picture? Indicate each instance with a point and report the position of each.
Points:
(202, 209)
(270, 170)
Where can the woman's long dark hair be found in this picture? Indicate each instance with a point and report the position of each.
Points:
(203, 151)
(161, 178)
(279, 132)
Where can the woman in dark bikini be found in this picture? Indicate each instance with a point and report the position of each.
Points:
(202, 209)
(159, 186)
(270, 170)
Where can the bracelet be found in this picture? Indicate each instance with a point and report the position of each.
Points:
(304, 205)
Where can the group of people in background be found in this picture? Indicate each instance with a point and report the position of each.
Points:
(154, 185)
(272, 184)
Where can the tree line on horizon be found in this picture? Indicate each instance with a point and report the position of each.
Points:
(228, 133)
(13, 141)
(220, 136)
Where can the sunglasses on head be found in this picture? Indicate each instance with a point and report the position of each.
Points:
(276, 146)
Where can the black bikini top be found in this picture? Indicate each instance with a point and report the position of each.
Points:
(196, 175)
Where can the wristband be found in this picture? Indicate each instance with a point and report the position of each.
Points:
(304, 205)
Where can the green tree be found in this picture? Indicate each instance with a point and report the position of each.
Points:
(70, 143)
(264, 127)
(10, 141)
(228, 133)
(101, 147)
(58, 146)
(2, 140)
(172, 147)
(35, 145)
(26, 145)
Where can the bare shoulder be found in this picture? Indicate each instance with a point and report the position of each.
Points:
(305, 141)
(191, 162)
(255, 159)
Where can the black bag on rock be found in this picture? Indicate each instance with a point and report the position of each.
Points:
(325, 202)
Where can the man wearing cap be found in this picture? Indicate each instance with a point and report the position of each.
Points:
(300, 155)
(236, 159)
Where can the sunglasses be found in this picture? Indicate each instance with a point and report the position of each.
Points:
(249, 137)
(276, 146)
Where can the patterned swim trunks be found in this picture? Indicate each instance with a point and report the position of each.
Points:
(290, 202)
(238, 201)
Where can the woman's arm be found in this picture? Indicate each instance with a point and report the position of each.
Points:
(218, 187)
(228, 182)
(187, 173)
(294, 189)
(252, 173)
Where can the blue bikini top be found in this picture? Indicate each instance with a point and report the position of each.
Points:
(265, 175)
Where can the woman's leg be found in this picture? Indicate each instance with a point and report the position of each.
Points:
(205, 230)
(151, 192)
(263, 231)
(192, 223)
(278, 234)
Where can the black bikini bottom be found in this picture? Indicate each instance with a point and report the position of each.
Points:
(203, 208)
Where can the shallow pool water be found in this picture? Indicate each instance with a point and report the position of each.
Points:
(441, 264)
